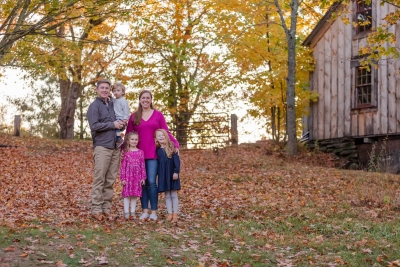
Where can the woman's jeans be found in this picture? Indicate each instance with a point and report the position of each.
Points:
(150, 189)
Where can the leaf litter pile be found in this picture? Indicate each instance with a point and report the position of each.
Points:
(240, 206)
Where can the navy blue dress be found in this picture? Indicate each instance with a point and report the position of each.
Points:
(166, 168)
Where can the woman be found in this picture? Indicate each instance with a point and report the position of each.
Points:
(145, 121)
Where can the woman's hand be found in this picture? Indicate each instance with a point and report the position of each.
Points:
(143, 182)
(175, 176)
(123, 183)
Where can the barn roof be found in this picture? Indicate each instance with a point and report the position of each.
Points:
(322, 25)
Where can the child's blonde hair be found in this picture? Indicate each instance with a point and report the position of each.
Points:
(120, 85)
(126, 141)
(169, 146)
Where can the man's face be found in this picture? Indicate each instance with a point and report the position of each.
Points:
(103, 90)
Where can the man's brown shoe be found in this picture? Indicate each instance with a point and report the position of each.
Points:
(108, 216)
(98, 216)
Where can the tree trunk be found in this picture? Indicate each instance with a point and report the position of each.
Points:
(273, 123)
(81, 118)
(279, 124)
(66, 119)
(290, 91)
(290, 87)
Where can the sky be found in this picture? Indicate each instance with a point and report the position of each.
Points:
(12, 85)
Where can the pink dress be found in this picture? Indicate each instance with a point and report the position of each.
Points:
(133, 172)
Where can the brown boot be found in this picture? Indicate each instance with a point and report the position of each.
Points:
(169, 217)
(108, 216)
(98, 216)
(175, 217)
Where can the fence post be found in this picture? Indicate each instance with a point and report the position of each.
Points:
(234, 130)
(17, 125)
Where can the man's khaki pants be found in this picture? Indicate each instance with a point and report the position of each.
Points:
(106, 163)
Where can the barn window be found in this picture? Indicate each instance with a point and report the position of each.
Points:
(363, 87)
(364, 16)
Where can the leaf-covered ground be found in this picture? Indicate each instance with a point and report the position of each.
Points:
(240, 206)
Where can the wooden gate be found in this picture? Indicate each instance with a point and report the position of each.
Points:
(203, 131)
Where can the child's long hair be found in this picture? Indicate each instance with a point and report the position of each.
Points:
(126, 141)
(169, 146)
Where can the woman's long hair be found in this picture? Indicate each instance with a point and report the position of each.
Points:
(169, 146)
(126, 141)
(138, 113)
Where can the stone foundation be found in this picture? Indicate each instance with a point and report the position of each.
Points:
(344, 149)
(355, 153)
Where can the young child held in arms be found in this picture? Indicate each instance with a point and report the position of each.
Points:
(168, 173)
(132, 173)
(121, 109)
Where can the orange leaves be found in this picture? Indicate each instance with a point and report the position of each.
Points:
(9, 249)
(43, 179)
(241, 200)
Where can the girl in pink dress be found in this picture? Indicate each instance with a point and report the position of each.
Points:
(132, 173)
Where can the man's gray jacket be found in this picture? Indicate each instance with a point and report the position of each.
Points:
(101, 119)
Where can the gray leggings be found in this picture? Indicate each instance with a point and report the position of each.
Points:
(171, 200)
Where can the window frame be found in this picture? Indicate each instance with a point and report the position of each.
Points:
(362, 34)
(355, 65)
(363, 11)
(363, 83)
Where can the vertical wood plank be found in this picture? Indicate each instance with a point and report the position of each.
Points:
(383, 82)
(392, 96)
(375, 122)
(383, 108)
(314, 105)
(354, 47)
(361, 124)
(347, 77)
(334, 80)
(341, 81)
(397, 79)
(368, 123)
(321, 101)
(327, 84)
(354, 124)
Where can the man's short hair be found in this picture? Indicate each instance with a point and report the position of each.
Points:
(103, 81)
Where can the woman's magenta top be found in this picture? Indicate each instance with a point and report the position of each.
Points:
(146, 130)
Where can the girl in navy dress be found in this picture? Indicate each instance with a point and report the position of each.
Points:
(168, 173)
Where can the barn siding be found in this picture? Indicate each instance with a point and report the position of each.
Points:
(333, 79)
(397, 79)
(327, 84)
(347, 77)
(341, 89)
(334, 75)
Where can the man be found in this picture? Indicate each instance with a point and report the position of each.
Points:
(102, 122)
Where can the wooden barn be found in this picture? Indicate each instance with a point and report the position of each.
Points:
(356, 107)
